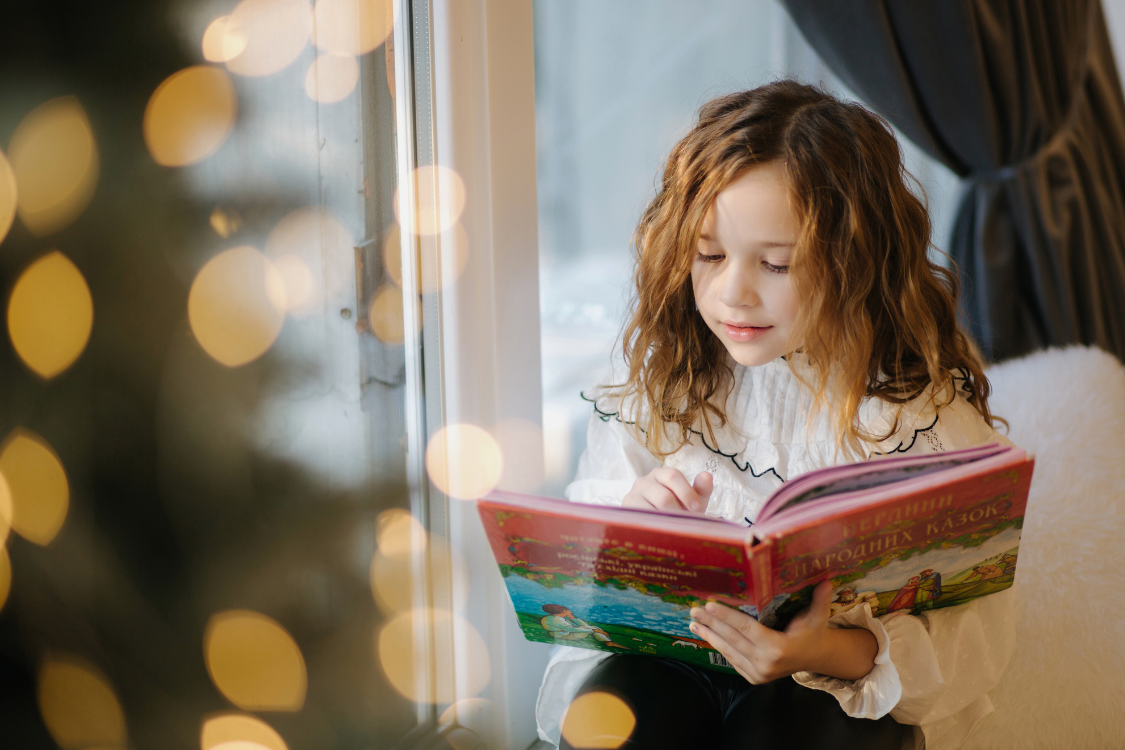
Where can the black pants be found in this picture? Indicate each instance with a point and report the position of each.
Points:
(678, 706)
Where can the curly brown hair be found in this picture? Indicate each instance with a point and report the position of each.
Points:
(877, 317)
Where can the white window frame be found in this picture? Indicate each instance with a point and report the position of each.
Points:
(466, 101)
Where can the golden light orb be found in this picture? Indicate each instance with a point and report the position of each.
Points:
(9, 198)
(439, 194)
(352, 27)
(397, 647)
(271, 34)
(255, 662)
(598, 720)
(235, 307)
(385, 315)
(190, 116)
(464, 461)
(239, 732)
(36, 481)
(331, 78)
(50, 315)
(54, 159)
(78, 705)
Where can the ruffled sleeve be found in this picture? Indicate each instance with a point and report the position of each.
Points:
(933, 671)
(612, 461)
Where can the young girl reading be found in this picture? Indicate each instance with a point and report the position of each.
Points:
(787, 317)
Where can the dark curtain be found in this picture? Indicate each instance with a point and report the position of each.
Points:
(1022, 99)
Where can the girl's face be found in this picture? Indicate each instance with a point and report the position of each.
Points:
(741, 271)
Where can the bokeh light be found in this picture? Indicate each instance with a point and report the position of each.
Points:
(239, 732)
(254, 662)
(8, 196)
(385, 315)
(352, 27)
(453, 244)
(225, 223)
(236, 306)
(439, 198)
(190, 116)
(79, 706)
(399, 534)
(296, 280)
(331, 77)
(392, 254)
(598, 720)
(5, 575)
(220, 44)
(272, 34)
(50, 315)
(318, 239)
(55, 161)
(36, 480)
(404, 548)
(521, 445)
(399, 643)
(472, 713)
(6, 509)
(464, 461)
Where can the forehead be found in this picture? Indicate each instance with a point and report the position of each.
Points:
(753, 208)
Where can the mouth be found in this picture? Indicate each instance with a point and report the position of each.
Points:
(742, 334)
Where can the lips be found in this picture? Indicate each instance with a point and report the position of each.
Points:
(742, 334)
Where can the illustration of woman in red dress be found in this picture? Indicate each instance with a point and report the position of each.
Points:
(905, 597)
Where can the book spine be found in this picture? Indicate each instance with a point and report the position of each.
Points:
(761, 573)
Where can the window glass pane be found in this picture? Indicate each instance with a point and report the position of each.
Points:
(202, 418)
(616, 85)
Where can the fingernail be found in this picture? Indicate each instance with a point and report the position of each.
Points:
(710, 607)
(693, 628)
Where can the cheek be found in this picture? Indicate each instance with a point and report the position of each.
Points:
(700, 285)
(788, 304)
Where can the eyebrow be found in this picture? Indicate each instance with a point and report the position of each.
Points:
(767, 244)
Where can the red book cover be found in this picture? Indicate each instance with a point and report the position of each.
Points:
(901, 534)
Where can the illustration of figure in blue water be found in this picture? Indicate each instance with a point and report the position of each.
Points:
(561, 623)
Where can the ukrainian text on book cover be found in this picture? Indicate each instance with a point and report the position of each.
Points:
(926, 552)
(614, 588)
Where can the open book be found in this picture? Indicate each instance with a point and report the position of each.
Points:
(896, 534)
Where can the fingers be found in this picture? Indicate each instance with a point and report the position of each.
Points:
(677, 483)
(664, 489)
(743, 665)
(733, 625)
(703, 485)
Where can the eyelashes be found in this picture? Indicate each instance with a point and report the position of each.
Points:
(704, 258)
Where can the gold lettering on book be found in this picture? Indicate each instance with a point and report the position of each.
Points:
(884, 518)
(898, 532)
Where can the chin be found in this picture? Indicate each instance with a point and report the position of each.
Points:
(748, 357)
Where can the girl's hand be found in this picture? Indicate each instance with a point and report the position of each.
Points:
(668, 489)
(761, 655)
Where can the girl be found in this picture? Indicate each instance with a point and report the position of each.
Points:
(786, 318)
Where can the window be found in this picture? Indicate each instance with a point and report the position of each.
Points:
(616, 85)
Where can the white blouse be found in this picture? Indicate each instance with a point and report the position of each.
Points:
(933, 670)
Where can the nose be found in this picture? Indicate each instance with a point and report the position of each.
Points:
(736, 287)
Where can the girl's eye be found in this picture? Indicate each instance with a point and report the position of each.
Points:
(775, 269)
(704, 258)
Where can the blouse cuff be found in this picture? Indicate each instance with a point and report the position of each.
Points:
(873, 695)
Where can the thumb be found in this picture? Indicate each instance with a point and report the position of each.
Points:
(818, 609)
(703, 484)
(814, 616)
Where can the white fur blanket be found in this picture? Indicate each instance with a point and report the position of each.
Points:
(1065, 686)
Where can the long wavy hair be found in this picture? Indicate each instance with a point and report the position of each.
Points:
(877, 317)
